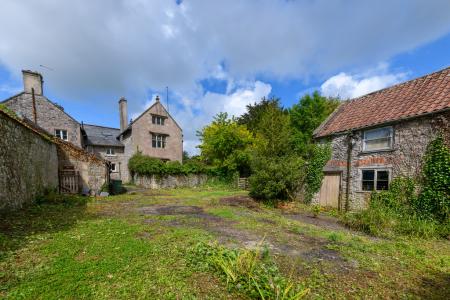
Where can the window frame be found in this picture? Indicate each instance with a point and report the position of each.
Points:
(111, 169)
(112, 152)
(61, 134)
(158, 120)
(375, 179)
(390, 137)
(159, 141)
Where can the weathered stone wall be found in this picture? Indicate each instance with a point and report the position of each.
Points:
(49, 116)
(170, 181)
(28, 164)
(93, 171)
(405, 159)
(117, 158)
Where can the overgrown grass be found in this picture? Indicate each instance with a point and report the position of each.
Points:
(251, 272)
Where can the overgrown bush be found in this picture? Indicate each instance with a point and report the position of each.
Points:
(146, 165)
(320, 154)
(276, 178)
(250, 272)
(434, 199)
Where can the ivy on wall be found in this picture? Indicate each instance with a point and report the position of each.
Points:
(320, 154)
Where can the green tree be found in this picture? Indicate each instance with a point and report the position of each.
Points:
(306, 116)
(252, 117)
(225, 145)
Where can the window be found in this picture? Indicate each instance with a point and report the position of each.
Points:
(378, 139)
(158, 141)
(375, 180)
(62, 134)
(158, 120)
(110, 151)
(112, 167)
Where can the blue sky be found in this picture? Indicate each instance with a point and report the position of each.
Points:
(215, 55)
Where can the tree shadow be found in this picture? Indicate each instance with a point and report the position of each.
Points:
(17, 226)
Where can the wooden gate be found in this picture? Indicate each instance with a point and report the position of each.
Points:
(242, 183)
(68, 182)
(330, 190)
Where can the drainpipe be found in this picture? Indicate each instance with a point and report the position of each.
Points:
(349, 169)
(34, 106)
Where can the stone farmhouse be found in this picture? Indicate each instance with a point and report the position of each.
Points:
(154, 132)
(380, 136)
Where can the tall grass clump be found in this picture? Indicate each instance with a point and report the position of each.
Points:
(250, 272)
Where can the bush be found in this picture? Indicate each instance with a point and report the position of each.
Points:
(250, 272)
(146, 165)
(276, 178)
(434, 199)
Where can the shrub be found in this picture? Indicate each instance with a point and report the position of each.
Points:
(146, 165)
(320, 154)
(276, 178)
(250, 272)
(434, 199)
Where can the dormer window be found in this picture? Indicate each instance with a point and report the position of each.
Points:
(158, 120)
(378, 139)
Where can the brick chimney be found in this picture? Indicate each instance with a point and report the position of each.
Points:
(32, 80)
(123, 112)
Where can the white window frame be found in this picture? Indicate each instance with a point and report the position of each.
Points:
(375, 179)
(113, 167)
(59, 133)
(159, 140)
(158, 120)
(390, 137)
(112, 152)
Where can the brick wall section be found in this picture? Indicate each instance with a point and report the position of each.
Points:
(49, 116)
(405, 159)
(28, 164)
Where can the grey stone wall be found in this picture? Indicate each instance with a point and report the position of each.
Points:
(117, 158)
(170, 181)
(411, 139)
(28, 164)
(49, 116)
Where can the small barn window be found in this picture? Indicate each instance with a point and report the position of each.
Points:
(375, 180)
(378, 139)
(110, 151)
(158, 141)
(158, 120)
(62, 134)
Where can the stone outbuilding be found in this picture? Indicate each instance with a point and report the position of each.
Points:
(380, 136)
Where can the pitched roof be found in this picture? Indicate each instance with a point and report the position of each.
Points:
(101, 136)
(414, 98)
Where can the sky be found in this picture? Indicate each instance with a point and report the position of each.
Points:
(213, 55)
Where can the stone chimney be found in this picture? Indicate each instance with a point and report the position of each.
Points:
(32, 80)
(123, 112)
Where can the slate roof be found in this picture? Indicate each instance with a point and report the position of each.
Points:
(101, 136)
(414, 98)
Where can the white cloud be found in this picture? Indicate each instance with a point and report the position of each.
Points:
(347, 86)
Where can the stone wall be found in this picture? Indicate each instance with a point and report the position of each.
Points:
(170, 181)
(93, 171)
(411, 138)
(28, 164)
(117, 158)
(48, 115)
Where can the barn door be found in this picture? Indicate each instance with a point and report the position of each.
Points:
(329, 192)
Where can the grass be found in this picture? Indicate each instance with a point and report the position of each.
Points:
(109, 249)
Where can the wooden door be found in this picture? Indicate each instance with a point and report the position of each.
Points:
(329, 192)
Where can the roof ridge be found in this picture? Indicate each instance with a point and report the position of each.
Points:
(101, 126)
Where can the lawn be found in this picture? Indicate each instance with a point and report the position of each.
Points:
(140, 246)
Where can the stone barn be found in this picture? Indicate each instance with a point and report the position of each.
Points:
(380, 136)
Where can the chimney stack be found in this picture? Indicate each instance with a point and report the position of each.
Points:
(123, 112)
(32, 80)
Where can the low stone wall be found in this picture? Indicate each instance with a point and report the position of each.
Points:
(28, 164)
(170, 181)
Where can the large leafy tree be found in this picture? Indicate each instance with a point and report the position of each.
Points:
(225, 145)
(256, 111)
(306, 116)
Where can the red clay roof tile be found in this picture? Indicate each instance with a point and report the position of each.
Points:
(413, 98)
